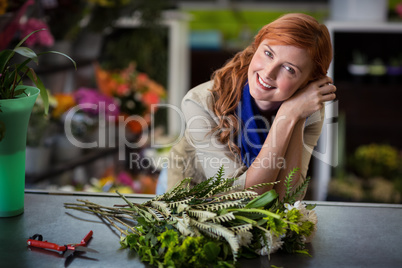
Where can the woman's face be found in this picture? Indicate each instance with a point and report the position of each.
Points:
(276, 72)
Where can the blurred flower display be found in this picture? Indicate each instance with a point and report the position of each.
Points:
(398, 9)
(10, 5)
(97, 100)
(374, 175)
(42, 38)
(3, 6)
(64, 102)
(373, 160)
(124, 182)
(87, 103)
(135, 93)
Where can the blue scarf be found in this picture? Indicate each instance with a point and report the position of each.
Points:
(253, 128)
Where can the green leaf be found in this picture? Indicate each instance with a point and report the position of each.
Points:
(27, 52)
(60, 53)
(211, 251)
(305, 252)
(246, 219)
(263, 200)
(256, 210)
(42, 89)
(5, 57)
(26, 37)
(310, 206)
(169, 238)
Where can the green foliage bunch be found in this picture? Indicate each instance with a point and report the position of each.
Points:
(211, 224)
(12, 73)
(373, 160)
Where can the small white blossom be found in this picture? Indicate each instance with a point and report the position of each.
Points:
(244, 238)
(312, 216)
(274, 243)
(307, 215)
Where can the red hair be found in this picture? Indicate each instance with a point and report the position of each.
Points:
(294, 29)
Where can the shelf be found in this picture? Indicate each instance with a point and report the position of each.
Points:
(372, 112)
(67, 66)
(86, 158)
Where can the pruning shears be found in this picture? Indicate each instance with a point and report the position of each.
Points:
(68, 250)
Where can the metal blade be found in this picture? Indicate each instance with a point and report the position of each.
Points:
(69, 254)
(81, 248)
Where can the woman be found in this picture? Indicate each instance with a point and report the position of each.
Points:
(261, 114)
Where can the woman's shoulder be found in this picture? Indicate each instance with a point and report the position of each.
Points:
(200, 95)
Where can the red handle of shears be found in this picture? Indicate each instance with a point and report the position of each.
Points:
(46, 245)
(85, 240)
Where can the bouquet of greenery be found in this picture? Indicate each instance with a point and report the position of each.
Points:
(211, 224)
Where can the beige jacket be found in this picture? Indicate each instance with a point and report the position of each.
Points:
(199, 154)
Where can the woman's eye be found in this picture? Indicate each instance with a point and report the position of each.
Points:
(290, 69)
(269, 54)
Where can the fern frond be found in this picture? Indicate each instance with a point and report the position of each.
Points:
(162, 206)
(218, 206)
(228, 188)
(224, 187)
(288, 182)
(219, 230)
(156, 214)
(241, 228)
(183, 207)
(202, 189)
(199, 189)
(220, 173)
(210, 193)
(237, 195)
(184, 228)
(260, 185)
(159, 197)
(224, 217)
(180, 202)
(185, 218)
(298, 191)
(178, 190)
(201, 214)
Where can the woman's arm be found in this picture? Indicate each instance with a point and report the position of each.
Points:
(285, 138)
(200, 154)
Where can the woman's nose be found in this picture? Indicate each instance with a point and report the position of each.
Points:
(270, 71)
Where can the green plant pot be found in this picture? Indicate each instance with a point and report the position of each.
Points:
(14, 119)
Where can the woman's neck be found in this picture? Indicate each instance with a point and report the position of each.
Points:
(268, 108)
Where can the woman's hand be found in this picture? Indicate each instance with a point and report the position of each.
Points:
(310, 98)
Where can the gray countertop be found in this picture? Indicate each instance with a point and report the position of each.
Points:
(348, 235)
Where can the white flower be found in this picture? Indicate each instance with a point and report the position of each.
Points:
(312, 217)
(274, 243)
(301, 207)
(244, 238)
(307, 215)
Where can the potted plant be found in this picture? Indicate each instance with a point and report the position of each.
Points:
(40, 139)
(358, 68)
(16, 102)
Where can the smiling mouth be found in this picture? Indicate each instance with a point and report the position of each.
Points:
(263, 84)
